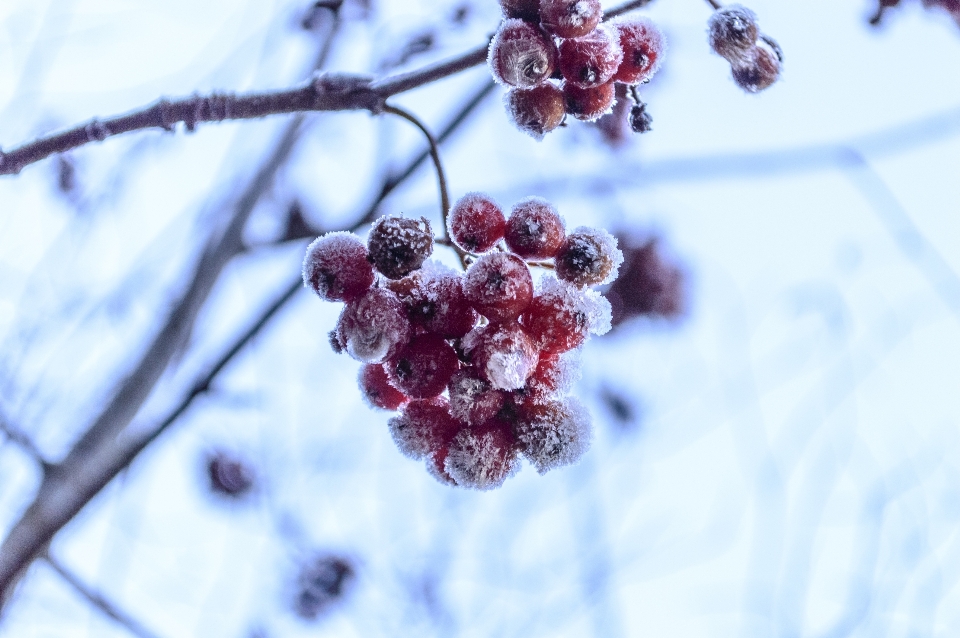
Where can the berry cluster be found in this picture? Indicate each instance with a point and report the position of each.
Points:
(755, 59)
(478, 363)
(544, 40)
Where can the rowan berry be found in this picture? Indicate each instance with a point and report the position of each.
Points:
(591, 60)
(521, 54)
(376, 389)
(229, 476)
(589, 104)
(536, 111)
(476, 223)
(534, 230)
(553, 434)
(483, 457)
(570, 18)
(473, 399)
(423, 367)
(761, 67)
(643, 45)
(435, 300)
(399, 245)
(554, 377)
(528, 10)
(423, 426)
(499, 286)
(374, 327)
(588, 256)
(502, 353)
(733, 32)
(320, 584)
(336, 267)
(560, 316)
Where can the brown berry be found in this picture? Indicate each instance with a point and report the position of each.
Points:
(536, 111)
(399, 245)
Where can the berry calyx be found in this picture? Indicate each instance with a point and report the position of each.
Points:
(643, 45)
(536, 111)
(528, 10)
(570, 18)
(399, 245)
(376, 389)
(588, 256)
(476, 222)
(521, 54)
(534, 230)
(336, 267)
(591, 60)
(499, 286)
(423, 368)
(589, 104)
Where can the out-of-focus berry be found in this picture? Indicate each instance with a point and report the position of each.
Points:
(321, 583)
(733, 32)
(528, 10)
(760, 69)
(229, 476)
(648, 285)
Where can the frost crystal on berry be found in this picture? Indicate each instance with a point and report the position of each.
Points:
(374, 327)
(560, 315)
(473, 399)
(589, 256)
(554, 434)
(399, 245)
(503, 353)
(336, 267)
(423, 426)
(423, 367)
(589, 104)
(570, 18)
(499, 286)
(593, 59)
(521, 55)
(536, 111)
(376, 388)
(643, 45)
(534, 230)
(483, 458)
(476, 223)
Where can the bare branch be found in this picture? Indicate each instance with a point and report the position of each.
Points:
(21, 440)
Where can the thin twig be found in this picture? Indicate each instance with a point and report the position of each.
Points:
(97, 599)
(716, 5)
(24, 442)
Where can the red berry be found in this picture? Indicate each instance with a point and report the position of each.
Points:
(476, 222)
(560, 316)
(649, 284)
(473, 399)
(521, 54)
(499, 286)
(570, 18)
(423, 368)
(502, 353)
(399, 245)
(536, 111)
(528, 10)
(336, 267)
(760, 69)
(554, 434)
(588, 256)
(591, 60)
(374, 327)
(435, 300)
(534, 230)
(554, 377)
(733, 32)
(482, 458)
(423, 426)
(589, 104)
(376, 388)
(643, 45)
(435, 462)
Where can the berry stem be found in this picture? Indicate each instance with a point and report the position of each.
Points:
(716, 5)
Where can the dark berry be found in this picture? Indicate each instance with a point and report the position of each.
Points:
(553, 434)
(534, 230)
(570, 18)
(521, 55)
(643, 45)
(499, 286)
(503, 354)
(589, 104)
(423, 426)
(528, 10)
(640, 121)
(476, 223)
(374, 327)
(733, 32)
(473, 399)
(399, 245)
(336, 267)
(591, 60)
(483, 457)
(423, 368)
(588, 257)
(376, 388)
(536, 111)
(760, 69)
(229, 476)
(320, 584)
(648, 285)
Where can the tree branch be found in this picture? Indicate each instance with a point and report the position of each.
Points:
(21, 440)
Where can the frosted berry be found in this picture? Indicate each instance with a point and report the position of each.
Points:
(499, 286)
(435, 300)
(399, 245)
(376, 388)
(476, 222)
(482, 458)
(556, 322)
(473, 399)
(591, 60)
(435, 462)
(528, 10)
(588, 257)
(643, 45)
(534, 230)
(554, 377)
(521, 54)
(554, 434)
(589, 104)
(536, 111)
(423, 368)
(336, 267)
(733, 32)
(503, 353)
(423, 426)
(760, 69)
(374, 327)
(570, 18)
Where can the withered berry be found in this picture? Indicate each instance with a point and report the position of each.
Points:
(588, 256)
(733, 32)
(521, 55)
(760, 69)
(399, 245)
(536, 111)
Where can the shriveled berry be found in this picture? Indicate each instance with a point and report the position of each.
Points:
(528, 10)
(643, 46)
(521, 54)
(476, 222)
(593, 59)
(482, 458)
(554, 434)
(399, 245)
(570, 18)
(423, 368)
(733, 32)
(536, 111)
(760, 69)
(376, 388)
(423, 426)
(336, 267)
(561, 315)
(321, 584)
(499, 286)
(588, 256)
(502, 353)
(640, 121)
(473, 399)
(374, 327)
(589, 104)
(534, 230)
(229, 476)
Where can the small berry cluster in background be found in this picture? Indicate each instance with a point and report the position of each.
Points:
(478, 363)
(650, 283)
(755, 59)
(952, 7)
(544, 40)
